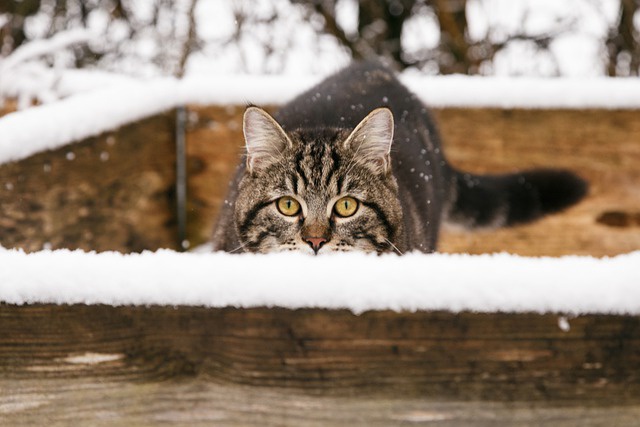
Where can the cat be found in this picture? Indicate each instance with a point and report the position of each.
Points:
(355, 164)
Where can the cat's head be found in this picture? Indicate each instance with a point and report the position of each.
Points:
(318, 190)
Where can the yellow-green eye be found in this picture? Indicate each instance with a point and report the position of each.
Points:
(345, 207)
(288, 206)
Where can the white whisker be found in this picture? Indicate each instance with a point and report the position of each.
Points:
(238, 248)
(393, 246)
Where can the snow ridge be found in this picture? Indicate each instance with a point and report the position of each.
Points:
(358, 282)
(109, 106)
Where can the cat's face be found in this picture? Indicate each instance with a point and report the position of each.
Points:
(318, 190)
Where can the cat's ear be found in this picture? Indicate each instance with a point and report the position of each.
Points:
(371, 140)
(264, 137)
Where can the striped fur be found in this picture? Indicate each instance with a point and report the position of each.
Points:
(318, 169)
(362, 134)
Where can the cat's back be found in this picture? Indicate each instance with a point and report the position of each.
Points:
(345, 98)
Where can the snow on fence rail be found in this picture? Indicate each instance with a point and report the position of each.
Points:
(109, 106)
(358, 282)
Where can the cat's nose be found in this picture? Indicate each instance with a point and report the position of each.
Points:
(315, 243)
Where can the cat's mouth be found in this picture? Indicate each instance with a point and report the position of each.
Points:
(323, 247)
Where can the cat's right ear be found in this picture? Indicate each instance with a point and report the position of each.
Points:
(371, 140)
(264, 138)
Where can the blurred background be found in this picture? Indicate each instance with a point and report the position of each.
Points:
(477, 37)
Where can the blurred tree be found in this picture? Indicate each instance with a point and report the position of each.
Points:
(12, 32)
(380, 32)
(160, 33)
(623, 41)
(382, 26)
(163, 33)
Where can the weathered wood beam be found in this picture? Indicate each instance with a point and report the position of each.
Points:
(438, 355)
(111, 192)
(198, 402)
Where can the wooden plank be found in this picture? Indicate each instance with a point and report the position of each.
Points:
(602, 146)
(197, 402)
(494, 356)
(111, 192)
(143, 365)
(214, 149)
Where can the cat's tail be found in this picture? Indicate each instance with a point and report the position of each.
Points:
(490, 201)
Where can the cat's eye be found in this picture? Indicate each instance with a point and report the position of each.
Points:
(345, 207)
(288, 206)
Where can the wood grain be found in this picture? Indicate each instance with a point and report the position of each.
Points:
(100, 402)
(463, 356)
(140, 365)
(198, 402)
(214, 149)
(601, 146)
(111, 192)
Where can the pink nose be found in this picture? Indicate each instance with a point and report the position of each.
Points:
(315, 242)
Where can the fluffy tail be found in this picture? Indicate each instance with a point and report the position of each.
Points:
(489, 201)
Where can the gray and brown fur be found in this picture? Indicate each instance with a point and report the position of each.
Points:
(361, 133)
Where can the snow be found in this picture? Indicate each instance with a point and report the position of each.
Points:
(38, 48)
(569, 286)
(100, 103)
(92, 112)
(526, 92)
(25, 77)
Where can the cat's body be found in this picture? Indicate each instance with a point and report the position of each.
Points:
(360, 140)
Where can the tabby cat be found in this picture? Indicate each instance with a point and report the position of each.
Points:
(355, 164)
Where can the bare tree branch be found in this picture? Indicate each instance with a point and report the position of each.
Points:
(190, 40)
(623, 42)
(380, 32)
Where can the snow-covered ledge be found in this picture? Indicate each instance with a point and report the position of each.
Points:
(95, 104)
(358, 282)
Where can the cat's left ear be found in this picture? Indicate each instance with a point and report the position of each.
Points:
(264, 137)
(371, 140)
